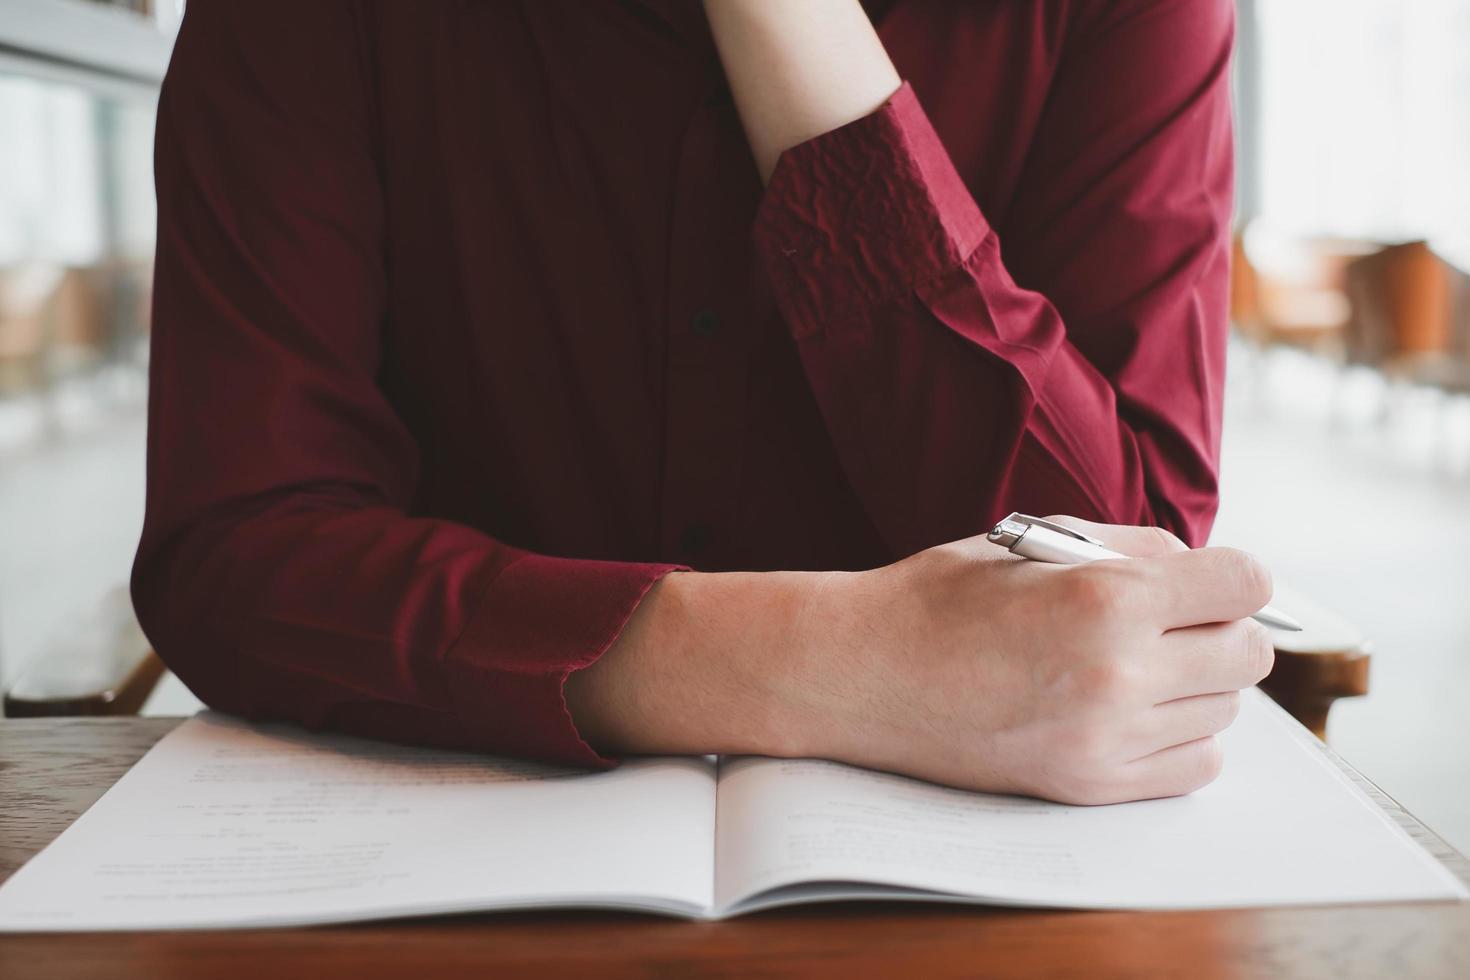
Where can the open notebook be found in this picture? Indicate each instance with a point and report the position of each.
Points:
(225, 824)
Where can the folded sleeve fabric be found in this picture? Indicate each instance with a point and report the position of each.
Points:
(936, 371)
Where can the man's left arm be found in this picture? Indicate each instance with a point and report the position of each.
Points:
(951, 393)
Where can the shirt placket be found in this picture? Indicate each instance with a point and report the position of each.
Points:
(708, 339)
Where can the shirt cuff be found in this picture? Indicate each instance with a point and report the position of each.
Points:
(542, 618)
(858, 216)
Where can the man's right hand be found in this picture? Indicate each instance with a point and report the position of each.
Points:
(1092, 683)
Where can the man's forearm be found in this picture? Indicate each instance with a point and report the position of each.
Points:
(799, 69)
(951, 665)
(708, 663)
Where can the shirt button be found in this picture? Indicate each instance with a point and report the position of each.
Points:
(694, 539)
(705, 323)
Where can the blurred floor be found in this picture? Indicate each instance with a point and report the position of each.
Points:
(1370, 517)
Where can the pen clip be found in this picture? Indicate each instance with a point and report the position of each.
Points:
(1010, 529)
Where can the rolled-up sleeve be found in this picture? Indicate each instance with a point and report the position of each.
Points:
(952, 393)
(281, 574)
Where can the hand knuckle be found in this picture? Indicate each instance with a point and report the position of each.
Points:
(1106, 679)
(1099, 593)
(1229, 710)
(1260, 650)
(1222, 712)
(1207, 762)
(1252, 577)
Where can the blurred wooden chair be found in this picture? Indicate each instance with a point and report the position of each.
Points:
(25, 289)
(1401, 310)
(1411, 322)
(103, 667)
(1307, 310)
(1449, 369)
(1326, 661)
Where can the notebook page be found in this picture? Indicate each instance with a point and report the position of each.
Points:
(1280, 826)
(226, 824)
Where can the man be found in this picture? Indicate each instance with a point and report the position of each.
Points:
(568, 379)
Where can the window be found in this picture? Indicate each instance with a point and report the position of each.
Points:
(76, 229)
(1364, 119)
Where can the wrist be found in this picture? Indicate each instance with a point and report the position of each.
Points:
(841, 649)
(808, 668)
(709, 662)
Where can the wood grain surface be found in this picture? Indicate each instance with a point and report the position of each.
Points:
(51, 770)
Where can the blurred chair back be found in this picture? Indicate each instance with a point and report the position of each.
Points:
(1295, 299)
(99, 664)
(1245, 289)
(1459, 312)
(1449, 371)
(1400, 300)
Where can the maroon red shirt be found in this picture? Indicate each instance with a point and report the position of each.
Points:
(472, 320)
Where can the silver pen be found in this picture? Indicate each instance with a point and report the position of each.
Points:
(1040, 540)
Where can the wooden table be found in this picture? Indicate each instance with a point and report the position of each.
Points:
(53, 769)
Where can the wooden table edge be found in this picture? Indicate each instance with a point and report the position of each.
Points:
(1420, 939)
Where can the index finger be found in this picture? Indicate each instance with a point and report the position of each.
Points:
(1206, 585)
